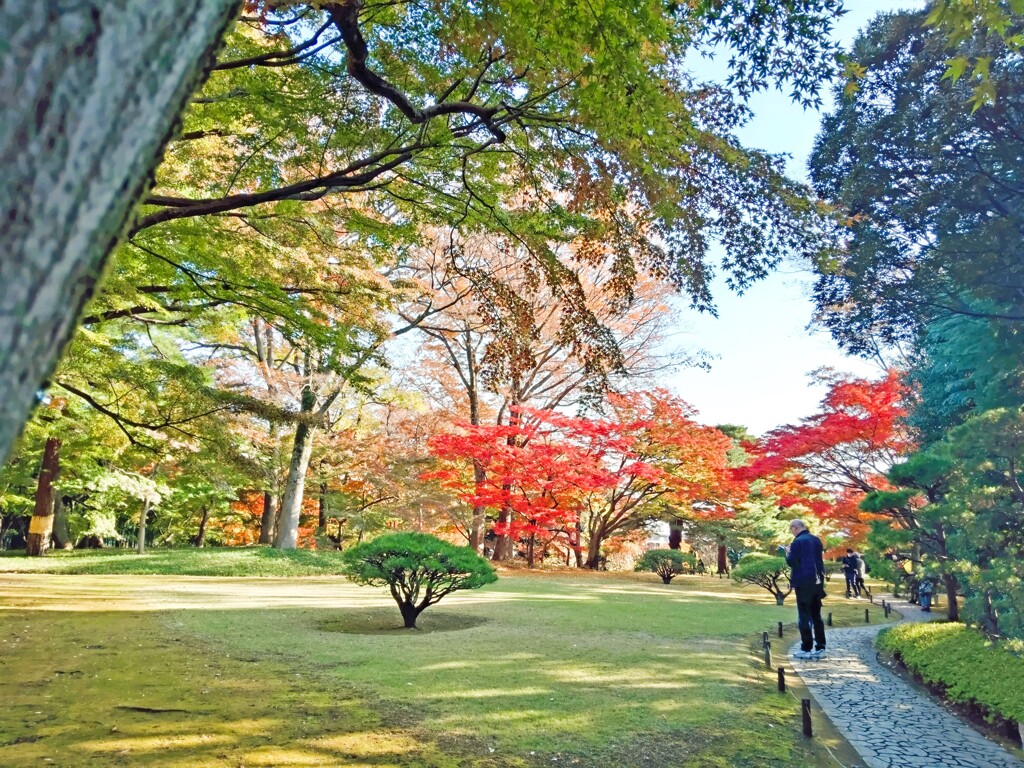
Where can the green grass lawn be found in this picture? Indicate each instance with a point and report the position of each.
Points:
(187, 561)
(538, 669)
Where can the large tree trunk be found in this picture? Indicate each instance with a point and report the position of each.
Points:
(41, 526)
(269, 517)
(294, 488)
(953, 611)
(597, 536)
(89, 93)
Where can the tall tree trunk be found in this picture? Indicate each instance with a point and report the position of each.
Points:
(503, 545)
(269, 517)
(597, 536)
(200, 537)
(953, 610)
(61, 535)
(577, 550)
(89, 93)
(291, 503)
(503, 542)
(478, 526)
(323, 507)
(141, 545)
(41, 526)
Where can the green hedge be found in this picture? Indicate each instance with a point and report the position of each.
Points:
(971, 668)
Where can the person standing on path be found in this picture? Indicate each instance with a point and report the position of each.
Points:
(924, 595)
(804, 557)
(850, 572)
(862, 571)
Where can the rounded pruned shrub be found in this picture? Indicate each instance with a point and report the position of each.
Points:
(419, 569)
(765, 571)
(667, 563)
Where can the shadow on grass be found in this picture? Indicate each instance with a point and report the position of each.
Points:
(380, 621)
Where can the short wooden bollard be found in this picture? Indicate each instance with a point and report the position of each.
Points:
(768, 655)
(764, 639)
(780, 629)
(782, 680)
(830, 618)
(867, 618)
(871, 598)
(805, 711)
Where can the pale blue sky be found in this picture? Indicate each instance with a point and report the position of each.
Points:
(764, 348)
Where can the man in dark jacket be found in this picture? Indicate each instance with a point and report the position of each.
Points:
(850, 572)
(804, 557)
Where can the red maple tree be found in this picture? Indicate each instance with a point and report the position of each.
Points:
(831, 460)
(556, 478)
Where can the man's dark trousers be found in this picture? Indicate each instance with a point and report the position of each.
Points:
(851, 584)
(808, 612)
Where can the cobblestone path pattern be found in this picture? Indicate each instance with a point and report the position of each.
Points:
(889, 723)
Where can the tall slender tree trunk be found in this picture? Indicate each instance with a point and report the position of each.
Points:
(478, 525)
(323, 507)
(141, 545)
(200, 539)
(89, 93)
(294, 488)
(41, 525)
(269, 518)
(503, 545)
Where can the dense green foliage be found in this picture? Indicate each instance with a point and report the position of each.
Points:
(418, 568)
(929, 266)
(348, 171)
(765, 571)
(969, 667)
(667, 563)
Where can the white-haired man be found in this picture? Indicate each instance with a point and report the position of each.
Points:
(804, 557)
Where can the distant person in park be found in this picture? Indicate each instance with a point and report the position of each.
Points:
(850, 572)
(862, 572)
(804, 557)
(924, 595)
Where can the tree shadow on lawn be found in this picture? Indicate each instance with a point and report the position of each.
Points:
(113, 689)
(386, 621)
(502, 688)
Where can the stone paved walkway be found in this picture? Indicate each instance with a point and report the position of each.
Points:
(887, 721)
